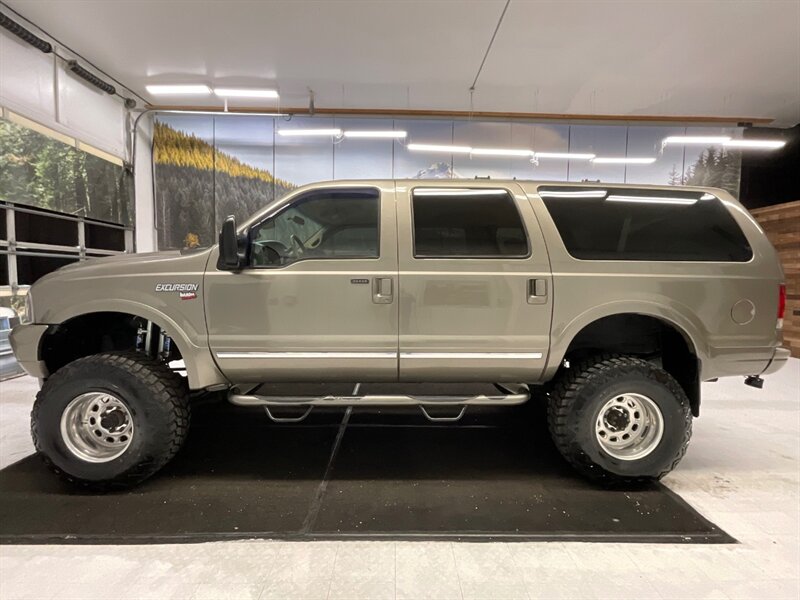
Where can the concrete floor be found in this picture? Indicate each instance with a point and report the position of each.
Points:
(742, 472)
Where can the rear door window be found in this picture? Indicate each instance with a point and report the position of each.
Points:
(600, 223)
(467, 223)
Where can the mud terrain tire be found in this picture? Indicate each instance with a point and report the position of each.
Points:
(157, 401)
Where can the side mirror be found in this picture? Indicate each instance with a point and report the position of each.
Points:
(229, 258)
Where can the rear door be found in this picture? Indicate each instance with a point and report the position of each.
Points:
(475, 284)
(317, 300)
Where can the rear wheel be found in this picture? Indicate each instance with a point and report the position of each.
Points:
(110, 420)
(619, 419)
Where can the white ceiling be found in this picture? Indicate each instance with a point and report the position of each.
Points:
(671, 57)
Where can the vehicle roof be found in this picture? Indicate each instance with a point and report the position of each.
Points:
(490, 182)
(343, 183)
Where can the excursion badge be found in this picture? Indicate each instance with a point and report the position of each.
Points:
(186, 291)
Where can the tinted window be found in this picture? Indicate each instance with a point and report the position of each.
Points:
(31, 268)
(4, 269)
(101, 237)
(626, 224)
(320, 225)
(474, 223)
(45, 229)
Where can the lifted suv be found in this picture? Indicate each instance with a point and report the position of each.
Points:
(614, 302)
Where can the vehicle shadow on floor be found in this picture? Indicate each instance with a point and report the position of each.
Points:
(391, 474)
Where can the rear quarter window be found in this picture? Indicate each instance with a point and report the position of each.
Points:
(599, 223)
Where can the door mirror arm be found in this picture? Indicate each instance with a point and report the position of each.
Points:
(231, 254)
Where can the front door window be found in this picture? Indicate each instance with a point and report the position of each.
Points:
(331, 224)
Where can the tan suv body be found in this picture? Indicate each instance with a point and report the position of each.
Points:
(435, 281)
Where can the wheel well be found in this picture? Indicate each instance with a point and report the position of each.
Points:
(646, 337)
(93, 333)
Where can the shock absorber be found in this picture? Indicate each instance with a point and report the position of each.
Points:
(153, 341)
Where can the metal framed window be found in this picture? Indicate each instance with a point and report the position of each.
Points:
(35, 241)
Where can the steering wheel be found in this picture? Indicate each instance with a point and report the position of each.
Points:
(269, 252)
(299, 243)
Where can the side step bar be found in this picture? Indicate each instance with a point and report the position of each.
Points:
(380, 400)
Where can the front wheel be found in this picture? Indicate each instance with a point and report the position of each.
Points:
(110, 420)
(620, 419)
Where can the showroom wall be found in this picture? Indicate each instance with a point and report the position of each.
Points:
(207, 167)
(66, 188)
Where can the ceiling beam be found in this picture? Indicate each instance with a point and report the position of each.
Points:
(465, 114)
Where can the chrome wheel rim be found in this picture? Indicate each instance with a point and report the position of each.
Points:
(97, 427)
(629, 426)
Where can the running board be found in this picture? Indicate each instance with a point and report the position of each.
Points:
(380, 400)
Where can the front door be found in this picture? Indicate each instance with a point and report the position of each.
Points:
(317, 300)
(475, 284)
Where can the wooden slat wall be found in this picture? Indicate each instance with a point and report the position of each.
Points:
(782, 224)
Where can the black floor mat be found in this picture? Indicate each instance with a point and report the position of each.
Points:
(386, 474)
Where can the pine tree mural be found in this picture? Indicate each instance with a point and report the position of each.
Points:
(674, 176)
(716, 168)
(197, 187)
(40, 171)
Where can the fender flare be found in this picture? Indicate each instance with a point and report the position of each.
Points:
(675, 316)
(201, 369)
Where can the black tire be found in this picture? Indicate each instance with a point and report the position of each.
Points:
(577, 398)
(157, 400)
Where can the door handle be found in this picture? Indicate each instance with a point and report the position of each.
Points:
(537, 291)
(382, 290)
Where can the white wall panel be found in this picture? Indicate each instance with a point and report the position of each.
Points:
(38, 86)
(143, 182)
(26, 80)
(93, 115)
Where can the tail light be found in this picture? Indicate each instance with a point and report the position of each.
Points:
(781, 304)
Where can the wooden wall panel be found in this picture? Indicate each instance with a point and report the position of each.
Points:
(782, 224)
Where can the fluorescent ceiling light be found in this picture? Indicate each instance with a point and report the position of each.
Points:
(696, 139)
(375, 134)
(245, 93)
(309, 132)
(469, 150)
(458, 192)
(755, 144)
(573, 194)
(621, 160)
(174, 90)
(500, 152)
(651, 199)
(566, 155)
(439, 148)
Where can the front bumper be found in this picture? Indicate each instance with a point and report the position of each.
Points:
(779, 359)
(25, 341)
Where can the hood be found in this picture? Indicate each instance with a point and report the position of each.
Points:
(125, 264)
(121, 283)
(142, 258)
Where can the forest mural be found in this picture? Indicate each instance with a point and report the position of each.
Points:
(715, 168)
(209, 167)
(40, 171)
(198, 187)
